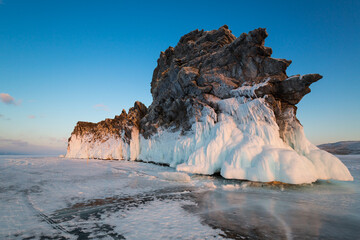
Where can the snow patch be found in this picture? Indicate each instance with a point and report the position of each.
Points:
(248, 91)
(175, 176)
(210, 185)
(230, 187)
(233, 187)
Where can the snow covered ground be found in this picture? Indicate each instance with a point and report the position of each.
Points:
(50, 197)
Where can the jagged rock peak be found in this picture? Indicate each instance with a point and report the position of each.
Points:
(199, 44)
(220, 104)
(208, 65)
(114, 127)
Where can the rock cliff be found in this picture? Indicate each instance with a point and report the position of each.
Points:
(220, 104)
(116, 138)
(207, 66)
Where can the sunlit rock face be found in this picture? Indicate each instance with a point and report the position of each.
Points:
(220, 104)
(116, 138)
(207, 66)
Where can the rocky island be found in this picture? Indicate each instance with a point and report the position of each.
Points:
(221, 104)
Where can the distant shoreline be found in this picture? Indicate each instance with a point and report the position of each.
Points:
(342, 147)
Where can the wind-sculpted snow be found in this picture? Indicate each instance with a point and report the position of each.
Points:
(221, 104)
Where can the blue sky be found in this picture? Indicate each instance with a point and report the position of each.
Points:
(65, 61)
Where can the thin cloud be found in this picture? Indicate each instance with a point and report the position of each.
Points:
(31, 116)
(7, 99)
(101, 107)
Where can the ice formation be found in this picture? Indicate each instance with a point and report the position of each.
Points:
(220, 104)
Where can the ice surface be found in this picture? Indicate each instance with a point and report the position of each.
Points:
(49, 197)
(34, 190)
(241, 142)
(161, 220)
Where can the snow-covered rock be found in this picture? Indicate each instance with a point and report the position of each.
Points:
(116, 138)
(220, 104)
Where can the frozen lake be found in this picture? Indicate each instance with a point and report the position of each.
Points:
(50, 197)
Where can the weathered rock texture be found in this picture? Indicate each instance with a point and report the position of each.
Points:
(108, 139)
(220, 104)
(203, 67)
(207, 65)
(119, 127)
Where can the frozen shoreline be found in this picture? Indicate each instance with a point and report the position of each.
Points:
(57, 197)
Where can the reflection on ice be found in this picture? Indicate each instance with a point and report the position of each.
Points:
(79, 198)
